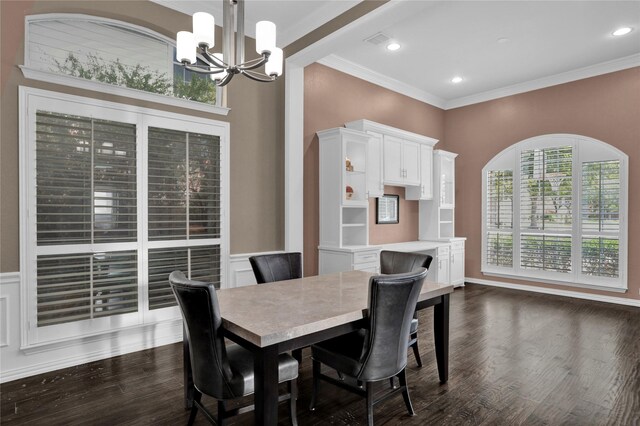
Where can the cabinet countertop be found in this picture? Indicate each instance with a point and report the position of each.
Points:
(404, 246)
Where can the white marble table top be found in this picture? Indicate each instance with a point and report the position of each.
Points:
(271, 313)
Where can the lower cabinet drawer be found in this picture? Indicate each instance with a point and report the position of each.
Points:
(366, 267)
(365, 257)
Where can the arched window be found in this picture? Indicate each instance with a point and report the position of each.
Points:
(555, 209)
(98, 53)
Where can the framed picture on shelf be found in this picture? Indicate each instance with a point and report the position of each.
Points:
(387, 209)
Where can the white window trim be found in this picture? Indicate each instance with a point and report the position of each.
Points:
(28, 71)
(30, 100)
(509, 159)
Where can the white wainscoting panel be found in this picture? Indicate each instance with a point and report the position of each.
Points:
(16, 363)
(240, 272)
(4, 321)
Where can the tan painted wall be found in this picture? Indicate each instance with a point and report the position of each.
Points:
(332, 98)
(256, 118)
(407, 227)
(606, 107)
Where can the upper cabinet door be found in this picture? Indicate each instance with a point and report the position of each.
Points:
(392, 159)
(375, 187)
(411, 162)
(426, 170)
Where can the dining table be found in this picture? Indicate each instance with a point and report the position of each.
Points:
(281, 316)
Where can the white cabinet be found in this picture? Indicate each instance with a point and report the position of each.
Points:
(375, 185)
(437, 217)
(405, 159)
(401, 161)
(441, 267)
(425, 190)
(344, 207)
(457, 263)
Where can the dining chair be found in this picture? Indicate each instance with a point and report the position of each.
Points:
(395, 262)
(378, 351)
(220, 371)
(269, 268)
(276, 267)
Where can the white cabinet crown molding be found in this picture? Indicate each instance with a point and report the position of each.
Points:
(371, 126)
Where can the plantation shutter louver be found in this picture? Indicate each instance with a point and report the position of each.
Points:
(86, 195)
(600, 215)
(499, 214)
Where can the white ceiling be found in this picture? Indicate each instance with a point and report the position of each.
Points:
(548, 42)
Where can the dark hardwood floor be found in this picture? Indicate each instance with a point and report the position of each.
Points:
(515, 358)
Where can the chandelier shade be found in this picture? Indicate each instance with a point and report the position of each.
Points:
(194, 49)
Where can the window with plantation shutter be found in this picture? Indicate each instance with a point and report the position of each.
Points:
(546, 188)
(86, 196)
(600, 214)
(570, 209)
(499, 216)
(114, 198)
(184, 207)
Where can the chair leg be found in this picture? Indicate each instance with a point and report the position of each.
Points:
(292, 387)
(297, 355)
(416, 352)
(369, 388)
(194, 408)
(405, 392)
(316, 384)
(222, 412)
(391, 383)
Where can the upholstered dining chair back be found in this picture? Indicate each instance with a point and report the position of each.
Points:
(396, 262)
(209, 364)
(276, 267)
(392, 302)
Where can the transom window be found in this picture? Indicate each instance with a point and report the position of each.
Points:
(115, 198)
(554, 209)
(111, 52)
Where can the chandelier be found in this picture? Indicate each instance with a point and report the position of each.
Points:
(193, 49)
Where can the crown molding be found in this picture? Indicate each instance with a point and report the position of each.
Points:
(552, 80)
(351, 68)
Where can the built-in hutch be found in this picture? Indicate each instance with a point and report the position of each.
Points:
(355, 164)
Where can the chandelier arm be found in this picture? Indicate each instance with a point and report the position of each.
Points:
(210, 59)
(201, 69)
(254, 63)
(227, 78)
(263, 78)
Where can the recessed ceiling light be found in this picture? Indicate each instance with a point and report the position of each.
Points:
(622, 31)
(503, 40)
(393, 46)
(457, 79)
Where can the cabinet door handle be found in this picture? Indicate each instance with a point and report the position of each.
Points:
(368, 194)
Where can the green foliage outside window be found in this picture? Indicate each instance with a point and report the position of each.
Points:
(199, 89)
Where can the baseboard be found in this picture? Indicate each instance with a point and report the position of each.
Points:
(70, 361)
(556, 292)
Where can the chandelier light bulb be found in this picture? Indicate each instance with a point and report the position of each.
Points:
(185, 47)
(265, 37)
(204, 29)
(274, 66)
